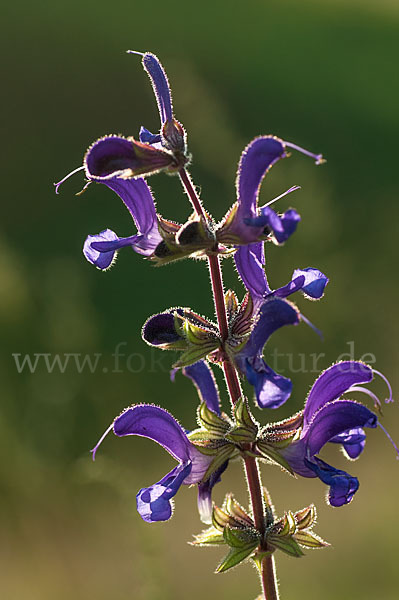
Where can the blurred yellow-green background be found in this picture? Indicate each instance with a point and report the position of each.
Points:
(320, 74)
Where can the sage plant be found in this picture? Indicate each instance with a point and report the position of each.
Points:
(227, 429)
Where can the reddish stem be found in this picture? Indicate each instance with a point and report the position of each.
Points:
(268, 575)
(192, 194)
(218, 295)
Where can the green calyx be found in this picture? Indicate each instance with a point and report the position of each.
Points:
(210, 438)
(292, 532)
(222, 437)
(240, 318)
(234, 527)
(245, 429)
(193, 238)
(200, 336)
(231, 526)
(275, 437)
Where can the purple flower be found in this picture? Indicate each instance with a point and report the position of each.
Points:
(204, 380)
(271, 389)
(328, 417)
(117, 156)
(250, 261)
(172, 134)
(246, 223)
(101, 249)
(154, 503)
(271, 311)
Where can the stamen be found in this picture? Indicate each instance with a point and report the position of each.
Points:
(318, 157)
(135, 52)
(100, 441)
(57, 185)
(292, 189)
(84, 188)
(310, 324)
(391, 440)
(377, 402)
(390, 399)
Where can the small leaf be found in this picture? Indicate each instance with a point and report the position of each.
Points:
(294, 422)
(210, 420)
(243, 417)
(234, 509)
(269, 452)
(195, 353)
(289, 526)
(205, 436)
(194, 235)
(306, 517)
(243, 322)
(224, 453)
(211, 537)
(270, 516)
(220, 518)
(241, 435)
(234, 557)
(231, 302)
(286, 544)
(236, 537)
(278, 438)
(310, 540)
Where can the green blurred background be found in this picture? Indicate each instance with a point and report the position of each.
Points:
(322, 75)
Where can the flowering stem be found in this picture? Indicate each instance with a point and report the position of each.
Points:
(192, 194)
(218, 295)
(268, 575)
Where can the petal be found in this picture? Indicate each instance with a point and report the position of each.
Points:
(353, 441)
(334, 418)
(282, 226)
(102, 259)
(100, 249)
(113, 156)
(271, 389)
(255, 161)
(205, 494)
(147, 137)
(250, 261)
(274, 313)
(154, 503)
(342, 485)
(311, 282)
(160, 85)
(204, 380)
(200, 463)
(156, 424)
(160, 329)
(333, 382)
(137, 197)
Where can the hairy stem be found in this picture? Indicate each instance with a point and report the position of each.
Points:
(192, 194)
(268, 575)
